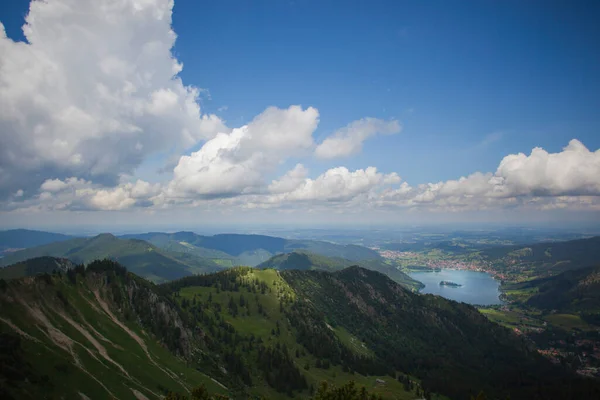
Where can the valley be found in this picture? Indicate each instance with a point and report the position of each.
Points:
(547, 289)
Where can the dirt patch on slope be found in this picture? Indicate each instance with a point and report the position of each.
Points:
(19, 331)
(139, 395)
(61, 340)
(136, 337)
(101, 350)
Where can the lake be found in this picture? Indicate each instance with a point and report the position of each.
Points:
(477, 287)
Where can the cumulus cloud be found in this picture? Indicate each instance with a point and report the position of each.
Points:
(540, 178)
(123, 196)
(348, 140)
(92, 92)
(573, 172)
(235, 163)
(336, 184)
(228, 173)
(80, 195)
(290, 181)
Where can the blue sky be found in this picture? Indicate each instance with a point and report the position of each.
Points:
(470, 82)
(466, 69)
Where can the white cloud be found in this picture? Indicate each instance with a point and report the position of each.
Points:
(93, 92)
(123, 196)
(79, 194)
(290, 181)
(234, 163)
(574, 171)
(228, 172)
(348, 140)
(336, 184)
(55, 185)
(542, 178)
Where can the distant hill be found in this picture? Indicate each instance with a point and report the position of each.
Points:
(36, 266)
(543, 259)
(303, 260)
(350, 252)
(140, 257)
(251, 250)
(571, 291)
(24, 238)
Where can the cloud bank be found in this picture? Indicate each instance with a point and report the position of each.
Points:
(547, 179)
(93, 92)
(96, 90)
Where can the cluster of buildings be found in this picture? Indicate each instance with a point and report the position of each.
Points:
(439, 263)
(394, 254)
(583, 355)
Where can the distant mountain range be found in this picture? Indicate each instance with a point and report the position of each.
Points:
(102, 332)
(15, 239)
(162, 257)
(543, 259)
(140, 257)
(169, 259)
(250, 250)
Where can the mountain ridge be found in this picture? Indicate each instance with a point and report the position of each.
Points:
(262, 333)
(304, 260)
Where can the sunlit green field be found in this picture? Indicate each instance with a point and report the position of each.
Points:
(567, 321)
(514, 318)
(264, 326)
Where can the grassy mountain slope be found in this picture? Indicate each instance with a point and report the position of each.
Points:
(357, 324)
(449, 345)
(24, 238)
(245, 313)
(543, 259)
(140, 257)
(303, 260)
(102, 334)
(571, 291)
(35, 266)
(237, 249)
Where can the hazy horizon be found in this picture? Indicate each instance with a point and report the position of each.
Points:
(302, 230)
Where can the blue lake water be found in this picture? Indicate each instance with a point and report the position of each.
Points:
(477, 287)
